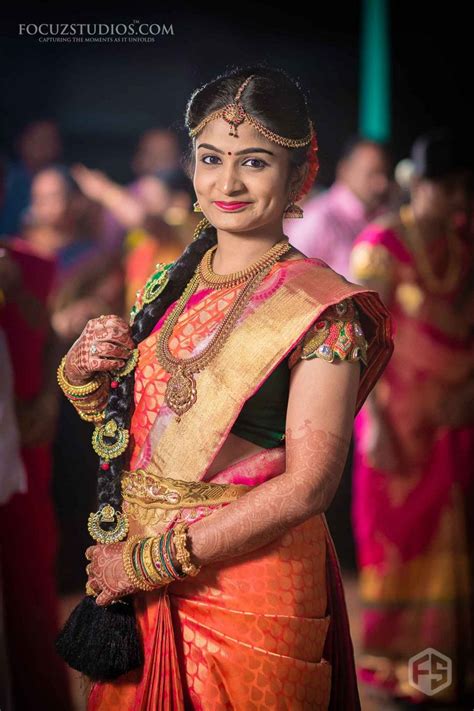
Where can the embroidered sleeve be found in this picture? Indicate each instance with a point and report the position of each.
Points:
(153, 286)
(336, 335)
(371, 261)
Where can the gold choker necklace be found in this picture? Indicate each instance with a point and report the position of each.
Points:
(208, 276)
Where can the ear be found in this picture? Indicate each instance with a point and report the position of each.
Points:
(298, 178)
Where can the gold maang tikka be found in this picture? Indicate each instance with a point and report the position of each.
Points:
(235, 114)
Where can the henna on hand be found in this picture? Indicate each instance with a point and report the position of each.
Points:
(106, 574)
(113, 344)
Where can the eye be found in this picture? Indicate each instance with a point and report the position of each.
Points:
(260, 163)
(211, 162)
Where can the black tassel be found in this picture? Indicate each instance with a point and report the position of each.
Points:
(102, 642)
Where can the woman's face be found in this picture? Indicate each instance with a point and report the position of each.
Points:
(445, 199)
(249, 169)
(49, 199)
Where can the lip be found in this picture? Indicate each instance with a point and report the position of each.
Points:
(230, 206)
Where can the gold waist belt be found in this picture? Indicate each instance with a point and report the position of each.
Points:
(155, 491)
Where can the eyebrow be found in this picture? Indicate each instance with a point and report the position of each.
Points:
(237, 153)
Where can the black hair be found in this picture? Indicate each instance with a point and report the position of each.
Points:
(441, 152)
(351, 144)
(88, 641)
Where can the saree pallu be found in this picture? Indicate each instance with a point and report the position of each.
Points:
(414, 526)
(267, 630)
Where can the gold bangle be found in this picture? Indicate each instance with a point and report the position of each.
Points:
(157, 577)
(128, 564)
(183, 556)
(95, 417)
(77, 390)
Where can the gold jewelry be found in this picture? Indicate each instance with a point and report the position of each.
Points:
(293, 210)
(183, 556)
(78, 390)
(129, 365)
(90, 590)
(156, 283)
(210, 278)
(107, 515)
(112, 450)
(197, 207)
(127, 560)
(433, 283)
(95, 417)
(235, 114)
(201, 225)
(181, 392)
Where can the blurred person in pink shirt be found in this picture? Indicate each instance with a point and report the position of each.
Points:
(333, 219)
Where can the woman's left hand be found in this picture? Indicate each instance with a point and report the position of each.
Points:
(106, 574)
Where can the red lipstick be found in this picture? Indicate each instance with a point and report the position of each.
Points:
(230, 206)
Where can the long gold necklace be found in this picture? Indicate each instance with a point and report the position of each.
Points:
(434, 283)
(181, 391)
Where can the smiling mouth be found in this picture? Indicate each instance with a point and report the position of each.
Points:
(234, 205)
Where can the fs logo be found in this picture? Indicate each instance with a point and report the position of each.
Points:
(430, 671)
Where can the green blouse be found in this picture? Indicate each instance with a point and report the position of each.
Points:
(337, 335)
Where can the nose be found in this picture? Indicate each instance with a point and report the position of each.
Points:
(229, 181)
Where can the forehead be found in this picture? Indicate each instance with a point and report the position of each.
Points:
(216, 132)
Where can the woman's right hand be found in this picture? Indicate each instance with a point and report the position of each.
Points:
(104, 345)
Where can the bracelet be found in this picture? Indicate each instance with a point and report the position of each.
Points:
(77, 390)
(128, 559)
(180, 540)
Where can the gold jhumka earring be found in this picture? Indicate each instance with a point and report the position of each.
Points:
(235, 114)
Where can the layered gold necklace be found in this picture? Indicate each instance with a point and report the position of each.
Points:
(181, 392)
(435, 284)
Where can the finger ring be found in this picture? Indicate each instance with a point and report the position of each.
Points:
(94, 348)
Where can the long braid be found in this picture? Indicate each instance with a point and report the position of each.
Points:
(103, 642)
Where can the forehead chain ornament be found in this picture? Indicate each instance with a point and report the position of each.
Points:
(235, 114)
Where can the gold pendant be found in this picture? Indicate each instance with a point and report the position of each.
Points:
(110, 450)
(107, 515)
(181, 392)
(154, 287)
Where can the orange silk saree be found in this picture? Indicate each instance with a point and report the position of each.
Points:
(266, 630)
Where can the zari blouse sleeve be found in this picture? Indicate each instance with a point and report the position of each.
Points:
(336, 335)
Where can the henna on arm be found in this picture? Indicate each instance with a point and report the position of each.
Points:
(319, 425)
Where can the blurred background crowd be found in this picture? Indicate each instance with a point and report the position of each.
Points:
(79, 236)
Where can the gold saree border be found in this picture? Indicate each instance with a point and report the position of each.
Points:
(254, 348)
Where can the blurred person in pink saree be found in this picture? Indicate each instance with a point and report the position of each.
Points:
(415, 439)
(227, 563)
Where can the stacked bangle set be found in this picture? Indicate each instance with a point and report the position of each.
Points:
(89, 409)
(149, 563)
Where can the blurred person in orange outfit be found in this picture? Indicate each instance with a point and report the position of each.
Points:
(157, 149)
(158, 218)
